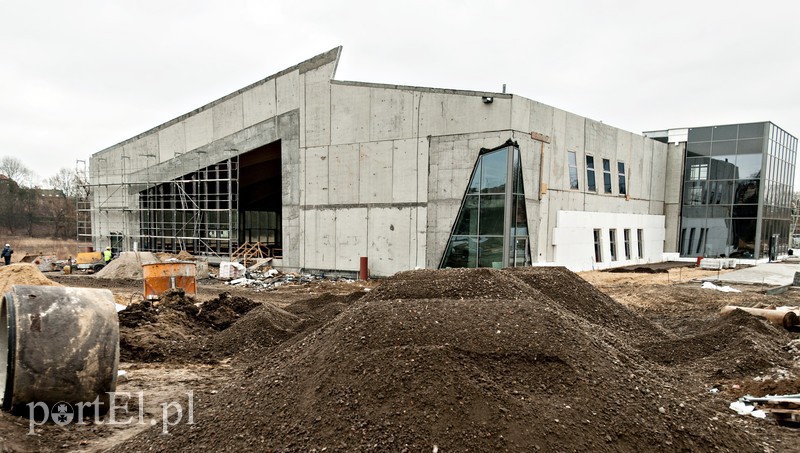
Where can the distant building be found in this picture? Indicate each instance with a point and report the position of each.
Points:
(323, 172)
(737, 189)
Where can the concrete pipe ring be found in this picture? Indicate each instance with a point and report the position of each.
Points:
(58, 344)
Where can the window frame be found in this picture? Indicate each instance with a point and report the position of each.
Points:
(591, 179)
(622, 181)
(608, 187)
(572, 170)
(612, 243)
(598, 245)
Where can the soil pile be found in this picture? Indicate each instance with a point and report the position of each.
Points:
(582, 299)
(127, 265)
(266, 327)
(731, 346)
(474, 284)
(22, 274)
(177, 329)
(454, 372)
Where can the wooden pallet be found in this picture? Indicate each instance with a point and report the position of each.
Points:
(249, 252)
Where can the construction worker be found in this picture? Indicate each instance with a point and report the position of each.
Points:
(6, 254)
(107, 255)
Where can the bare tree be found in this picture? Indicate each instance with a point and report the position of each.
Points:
(16, 170)
(66, 181)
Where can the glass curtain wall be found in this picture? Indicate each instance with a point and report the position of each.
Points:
(491, 229)
(724, 185)
(778, 180)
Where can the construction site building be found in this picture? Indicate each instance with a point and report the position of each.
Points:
(319, 173)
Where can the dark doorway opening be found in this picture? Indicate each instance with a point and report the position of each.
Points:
(260, 197)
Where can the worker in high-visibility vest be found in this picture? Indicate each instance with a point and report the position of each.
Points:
(107, 255)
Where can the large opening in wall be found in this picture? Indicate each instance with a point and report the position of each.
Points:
(215, 209)
(260, 197)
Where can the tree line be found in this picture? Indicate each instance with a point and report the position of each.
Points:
(27, 208)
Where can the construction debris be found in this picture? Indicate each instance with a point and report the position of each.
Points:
(272, 279)
(785, 318)
(785, 409)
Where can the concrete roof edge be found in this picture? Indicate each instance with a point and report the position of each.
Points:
(422, 89)
(331, 56)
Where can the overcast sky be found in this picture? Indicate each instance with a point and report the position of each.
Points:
(79, 76)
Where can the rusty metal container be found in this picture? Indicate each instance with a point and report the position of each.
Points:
(159, 277)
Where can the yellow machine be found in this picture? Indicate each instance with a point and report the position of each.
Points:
(90, 260)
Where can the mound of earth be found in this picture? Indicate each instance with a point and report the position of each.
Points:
(177, 329)
(580, 297)
(127, 265)
(482, 283)
(735, 345)
(268, 326)
(454, 373)
(22, 274)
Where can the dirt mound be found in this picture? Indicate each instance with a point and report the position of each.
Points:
(480, 283)
(177, 329)
(262, 329)
(731, 346)
(581, 298)
(127, 265)
(22, 274)
(266, 327)
(483, 374)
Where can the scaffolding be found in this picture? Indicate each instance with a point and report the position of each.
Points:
(130, 205)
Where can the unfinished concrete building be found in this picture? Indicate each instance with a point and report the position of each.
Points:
(321, 172)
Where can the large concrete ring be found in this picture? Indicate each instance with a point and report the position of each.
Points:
(57, 344)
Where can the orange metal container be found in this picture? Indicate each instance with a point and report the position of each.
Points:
(159, 277)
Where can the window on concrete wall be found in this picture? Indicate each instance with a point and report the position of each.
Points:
(627, 242)
(590, 183)
(598, 247)
(573, 170)
(621, 174)
(607, 175)
(640, 240)
(491, 229)
(612, 242)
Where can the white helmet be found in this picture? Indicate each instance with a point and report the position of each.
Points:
(8, 245)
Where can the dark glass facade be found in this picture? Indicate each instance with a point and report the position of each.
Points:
(737, 188)
(492, 227)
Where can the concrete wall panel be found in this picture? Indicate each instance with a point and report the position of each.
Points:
(140, 154)
(287, 92)
(389, 240)
(541, 118)
(520, 114)
(343, 180)
(259, 103)
(404, 171)
(227, 117)
(171, 142)
(350, 114)
(320, 239)
(317, 107)
(316, 173)
(392, 113)
(199, 130)
(448, 114)
(351, 237)
(376, 172)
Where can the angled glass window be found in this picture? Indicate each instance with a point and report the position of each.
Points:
(491, 229)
